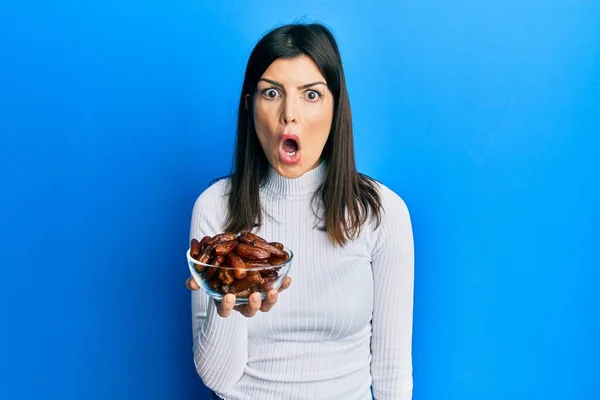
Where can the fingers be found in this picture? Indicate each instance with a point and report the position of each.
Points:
(191, 284)
(286, 283)
(225, 307)
(254, 303)
(269, 301)
(273, 295)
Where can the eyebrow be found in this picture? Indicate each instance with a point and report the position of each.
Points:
(278, 84)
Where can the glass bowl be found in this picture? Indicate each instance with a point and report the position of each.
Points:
(218, 280)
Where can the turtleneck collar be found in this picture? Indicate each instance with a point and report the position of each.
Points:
(302, 187)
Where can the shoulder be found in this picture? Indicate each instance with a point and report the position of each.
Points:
(396, 225)
(214, 195)
(210, 207)
(393, 205)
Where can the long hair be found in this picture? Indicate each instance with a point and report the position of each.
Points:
(348, 197)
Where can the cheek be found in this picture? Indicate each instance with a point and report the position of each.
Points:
(265, 119)
(320, 124)
(263, 124)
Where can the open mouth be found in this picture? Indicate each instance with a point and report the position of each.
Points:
(290, 146)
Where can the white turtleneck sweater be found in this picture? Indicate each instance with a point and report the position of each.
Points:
(344, 324)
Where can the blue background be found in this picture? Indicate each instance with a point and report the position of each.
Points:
(483, 115)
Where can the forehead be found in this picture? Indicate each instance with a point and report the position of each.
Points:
(294, 71)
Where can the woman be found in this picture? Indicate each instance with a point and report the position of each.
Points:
(343, 329)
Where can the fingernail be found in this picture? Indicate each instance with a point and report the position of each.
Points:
(228, 301)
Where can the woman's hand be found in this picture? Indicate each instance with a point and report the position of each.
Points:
(249, 310)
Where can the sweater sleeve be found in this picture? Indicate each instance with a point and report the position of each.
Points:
(393, 275)
(220, 344)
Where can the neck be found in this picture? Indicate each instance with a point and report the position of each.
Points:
(301, 187)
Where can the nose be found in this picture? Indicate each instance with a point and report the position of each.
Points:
(288, 113)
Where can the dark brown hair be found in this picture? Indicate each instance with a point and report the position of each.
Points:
(348, 196)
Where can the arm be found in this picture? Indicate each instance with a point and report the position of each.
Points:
(220, 344)
(393, 275)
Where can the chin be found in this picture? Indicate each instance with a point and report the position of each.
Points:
(290, 172)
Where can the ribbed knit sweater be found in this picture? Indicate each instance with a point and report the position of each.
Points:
(344, 325)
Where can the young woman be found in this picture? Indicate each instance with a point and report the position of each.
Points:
(343, 328)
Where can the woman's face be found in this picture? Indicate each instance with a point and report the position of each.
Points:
(293, 111)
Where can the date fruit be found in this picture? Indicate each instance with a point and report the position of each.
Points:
(240, 264)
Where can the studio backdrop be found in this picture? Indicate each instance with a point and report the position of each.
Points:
(483, 115)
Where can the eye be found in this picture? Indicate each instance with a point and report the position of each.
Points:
(270, 94)
(313, 95)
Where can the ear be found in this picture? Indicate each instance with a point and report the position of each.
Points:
(247, 101)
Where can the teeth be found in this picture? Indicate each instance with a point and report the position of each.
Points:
(291, 153)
